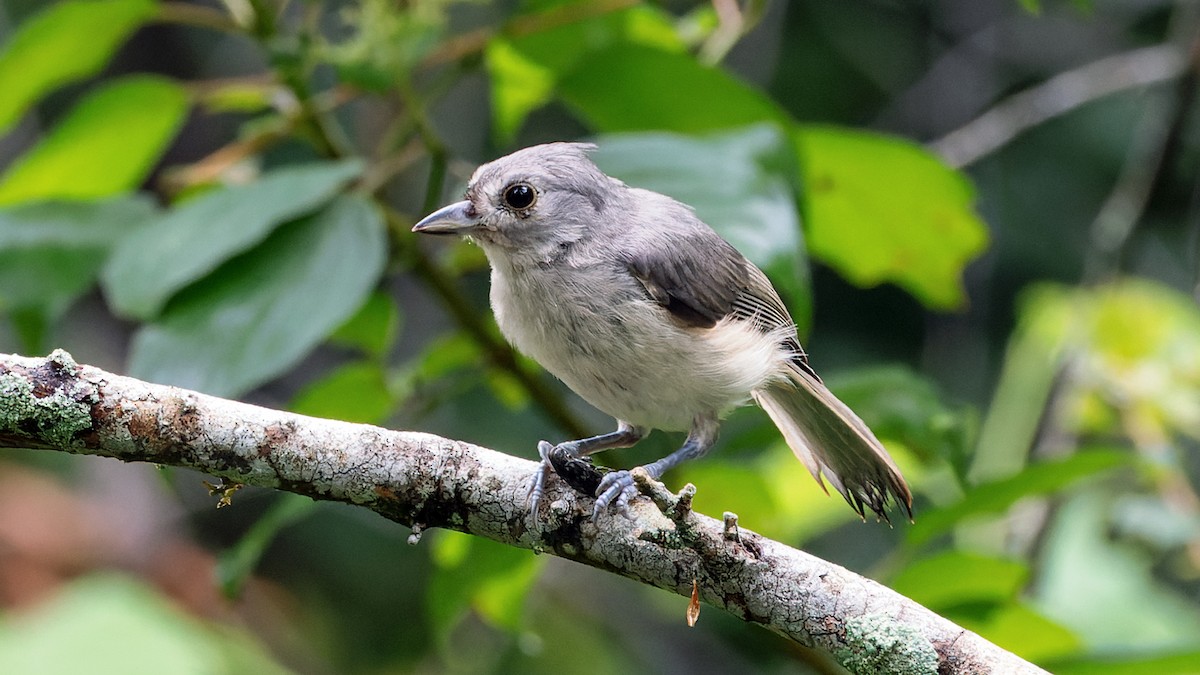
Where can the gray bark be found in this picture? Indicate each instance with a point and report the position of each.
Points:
(424, 481)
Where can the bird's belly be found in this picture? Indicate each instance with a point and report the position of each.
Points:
(625, 357)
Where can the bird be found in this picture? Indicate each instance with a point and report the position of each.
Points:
(650, 316)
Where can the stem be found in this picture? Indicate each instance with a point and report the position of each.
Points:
(196, 15)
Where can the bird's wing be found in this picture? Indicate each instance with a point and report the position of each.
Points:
(702, 279)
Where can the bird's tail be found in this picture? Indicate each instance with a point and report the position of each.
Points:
(833, 442)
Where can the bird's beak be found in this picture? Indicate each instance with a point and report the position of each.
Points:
(458, 218)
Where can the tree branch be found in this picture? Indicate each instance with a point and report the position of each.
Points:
(1057, 96)
(426, 481)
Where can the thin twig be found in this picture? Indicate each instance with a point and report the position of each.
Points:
(187, 14)
(1057, 96)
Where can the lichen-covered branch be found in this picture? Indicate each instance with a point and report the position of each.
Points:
(425, 481)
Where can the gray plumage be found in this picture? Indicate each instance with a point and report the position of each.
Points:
(653, 318)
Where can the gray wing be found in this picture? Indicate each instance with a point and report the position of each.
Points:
(700, 280)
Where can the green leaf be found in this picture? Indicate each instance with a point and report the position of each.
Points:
(954, 578)
(524, 69)
(263, 311)
(519, 86)
(881, 209)
(192, 239)
(475, 573)
(1031, 364)
(996, 497)
(143, 633)
(1170, 663)
(739, 182)
(237, 563)
(107, 144)
(373, 328)
(1025, 633)
(634, 88)
(64, 43)
(355, 392)
(1112, 595)
(723, 485)
(51, 253)
(1132, 344)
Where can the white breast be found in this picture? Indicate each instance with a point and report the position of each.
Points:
(623, 354)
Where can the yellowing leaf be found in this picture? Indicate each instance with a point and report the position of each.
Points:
(693, 610)
(881, 209)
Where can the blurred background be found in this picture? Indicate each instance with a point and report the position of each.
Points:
(985, 216)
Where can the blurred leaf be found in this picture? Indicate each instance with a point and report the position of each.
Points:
(263, 311)
(1155, 522)
(725, 486)
(881, 209)
(67, 41)
(697, 99)
(900, 405)
(51, 253)
(1025, 633)
(954, 578)
(479, 574)
(507, 389)
(373, 328)
(524, 69)
(236, 564)
(1176, 663)
(1141, 341)
(143, 633)
(238, 97)
(1124, 354)
(739, 182)
(1032, 362)
(1109, 594)
(107, 144)
(355, 392)
(386, 41)
(774, 495)
(192, 239)
(519, 86)
(996, 497)
(447, 354)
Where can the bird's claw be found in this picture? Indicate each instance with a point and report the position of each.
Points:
(617, 489)
(538, 486)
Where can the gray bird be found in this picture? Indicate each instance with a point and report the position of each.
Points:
(653, 318)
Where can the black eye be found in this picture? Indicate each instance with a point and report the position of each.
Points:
(519, 196)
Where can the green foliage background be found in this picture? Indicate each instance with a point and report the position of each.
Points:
(218, 195)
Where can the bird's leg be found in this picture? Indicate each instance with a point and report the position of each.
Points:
(625, 436)
(617, 488)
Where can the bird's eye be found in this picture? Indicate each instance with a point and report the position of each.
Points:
(520, 196)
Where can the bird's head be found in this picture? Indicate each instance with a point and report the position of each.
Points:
(535, 203)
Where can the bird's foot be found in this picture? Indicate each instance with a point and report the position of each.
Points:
(538, 486)
(617, 489)
(565, 460)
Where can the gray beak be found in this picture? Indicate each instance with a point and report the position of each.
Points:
(458, 218)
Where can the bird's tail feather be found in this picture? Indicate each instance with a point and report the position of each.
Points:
(833, 442)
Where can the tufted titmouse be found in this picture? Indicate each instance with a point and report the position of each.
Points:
(650, 316)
